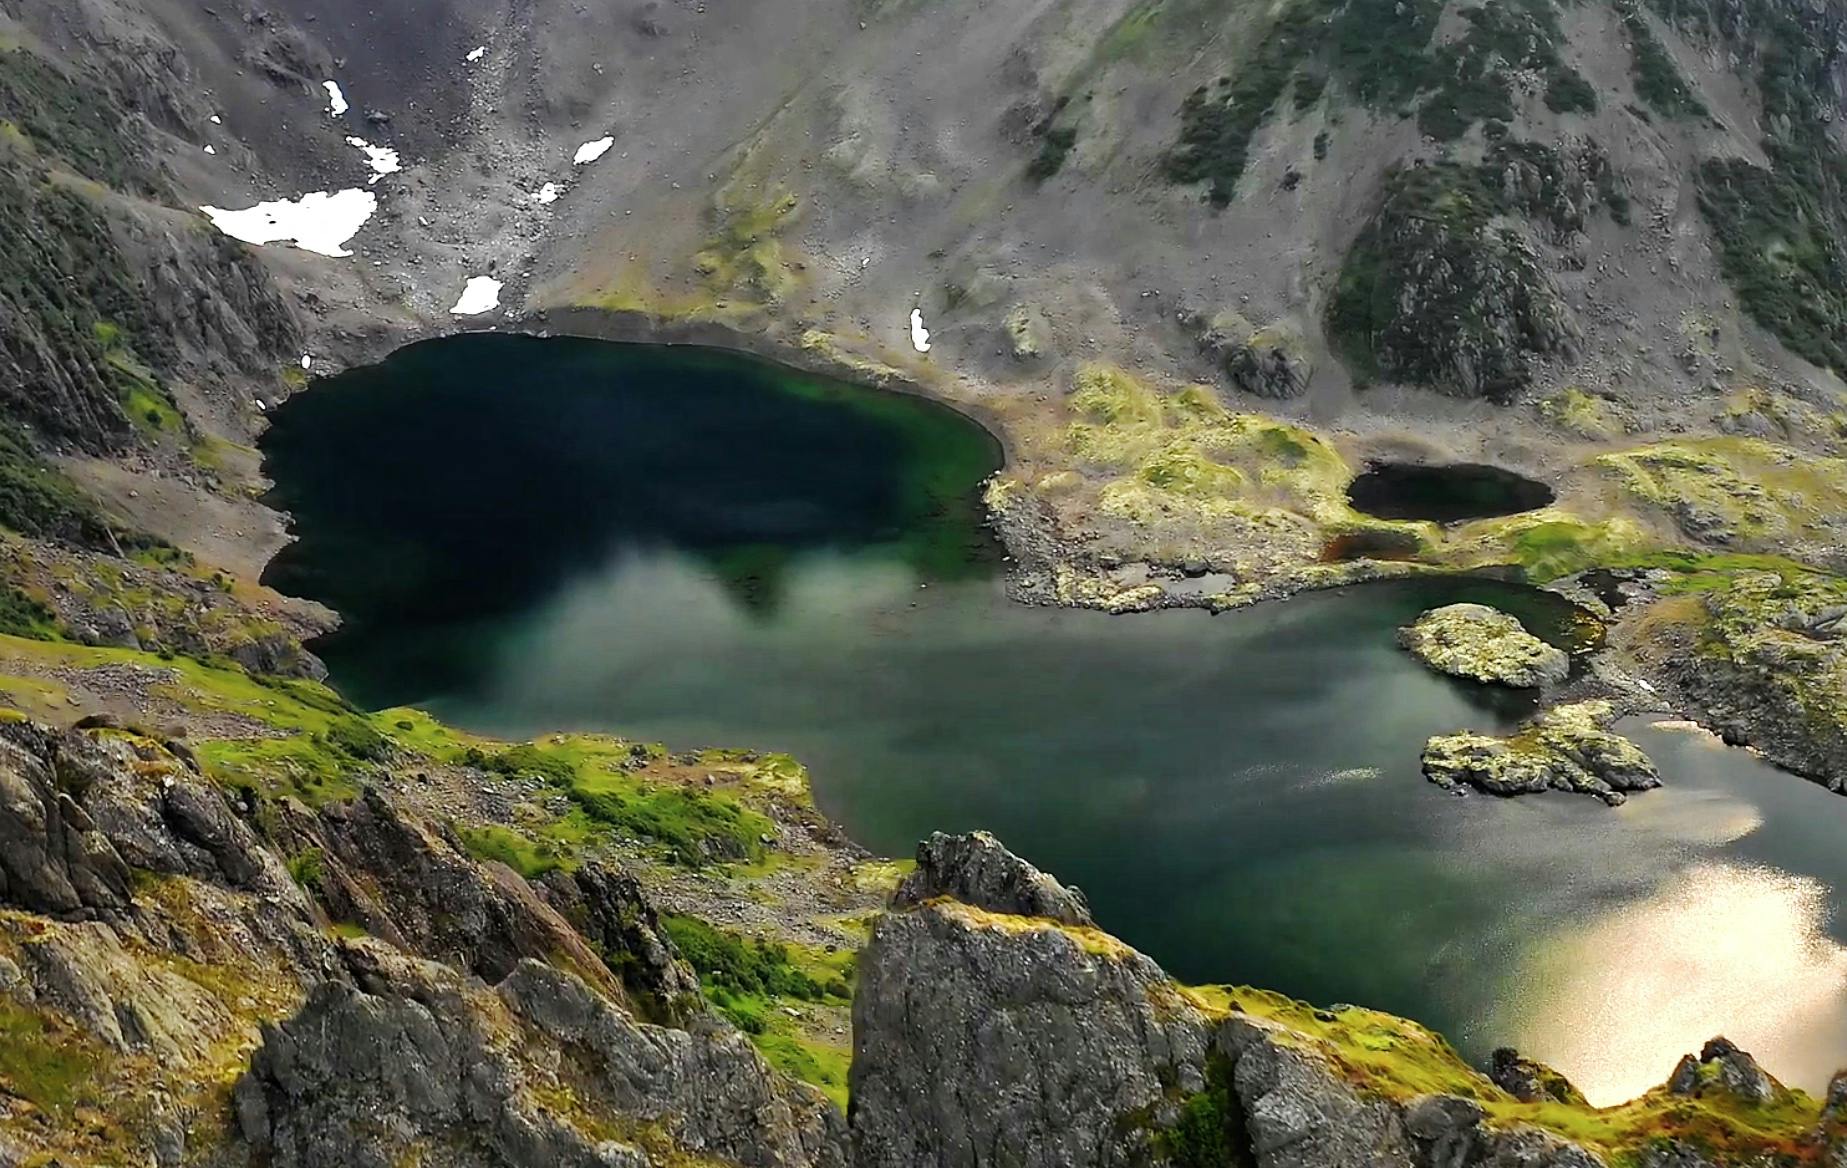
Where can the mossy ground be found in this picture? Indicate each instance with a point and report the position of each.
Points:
(769, 989)
(1754, 494)
(1181, 467)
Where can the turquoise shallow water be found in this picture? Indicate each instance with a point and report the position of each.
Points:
(698, 549)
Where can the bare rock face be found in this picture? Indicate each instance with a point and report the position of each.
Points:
(412, 1061)
(1484, 644)
(977, 870)
(981, 1038)
(411, 883)
(53, 859)
(76, 812)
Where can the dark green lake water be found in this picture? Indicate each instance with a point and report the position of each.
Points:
(699, 549)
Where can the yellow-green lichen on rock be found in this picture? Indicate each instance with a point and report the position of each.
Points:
(1768, 664)
(1480, 643)
(1566, 748)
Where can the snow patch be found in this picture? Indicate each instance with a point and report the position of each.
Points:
(209, 150)
(481, 295)
(307, 361)
(336, 101)
(316, 222)
(546, 194)
(476, 53)
(217, 121)
(591, 151)
(920, 336)
(382, 159)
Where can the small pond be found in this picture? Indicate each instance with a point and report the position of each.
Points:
(1446, 492)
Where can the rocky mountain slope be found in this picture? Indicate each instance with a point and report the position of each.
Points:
(190, 976)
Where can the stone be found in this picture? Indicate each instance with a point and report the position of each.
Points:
(1271, 362)
(1480, 643)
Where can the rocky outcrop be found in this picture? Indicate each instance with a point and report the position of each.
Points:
(411, 1061)
(410, 882)
(78, 810)
(1567, 748)
(1528, 1080)
(977, 870)
(1439, 290)
(1724, 1069)
(611, 911)
(985, 1038)
(1484, 644)
(1767, 664)
(404, 1064)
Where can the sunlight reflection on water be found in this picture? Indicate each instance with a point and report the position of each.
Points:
(1720, 948)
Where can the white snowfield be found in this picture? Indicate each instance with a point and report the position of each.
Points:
(591, 151)
(476, 53)
(546, 194)
(381, 159)
(920, 336)
(481, 295)
(318, 222)
(336, 101)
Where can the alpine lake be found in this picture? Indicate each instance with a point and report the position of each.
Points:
(686, 546)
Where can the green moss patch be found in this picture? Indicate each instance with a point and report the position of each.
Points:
(696, 826)
(763, 986)
(45, 1063)
(529, 857)
(1745, 492)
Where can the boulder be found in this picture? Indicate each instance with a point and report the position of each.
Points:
(1724, 1069)
(1483, 644)
(1270, 362)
